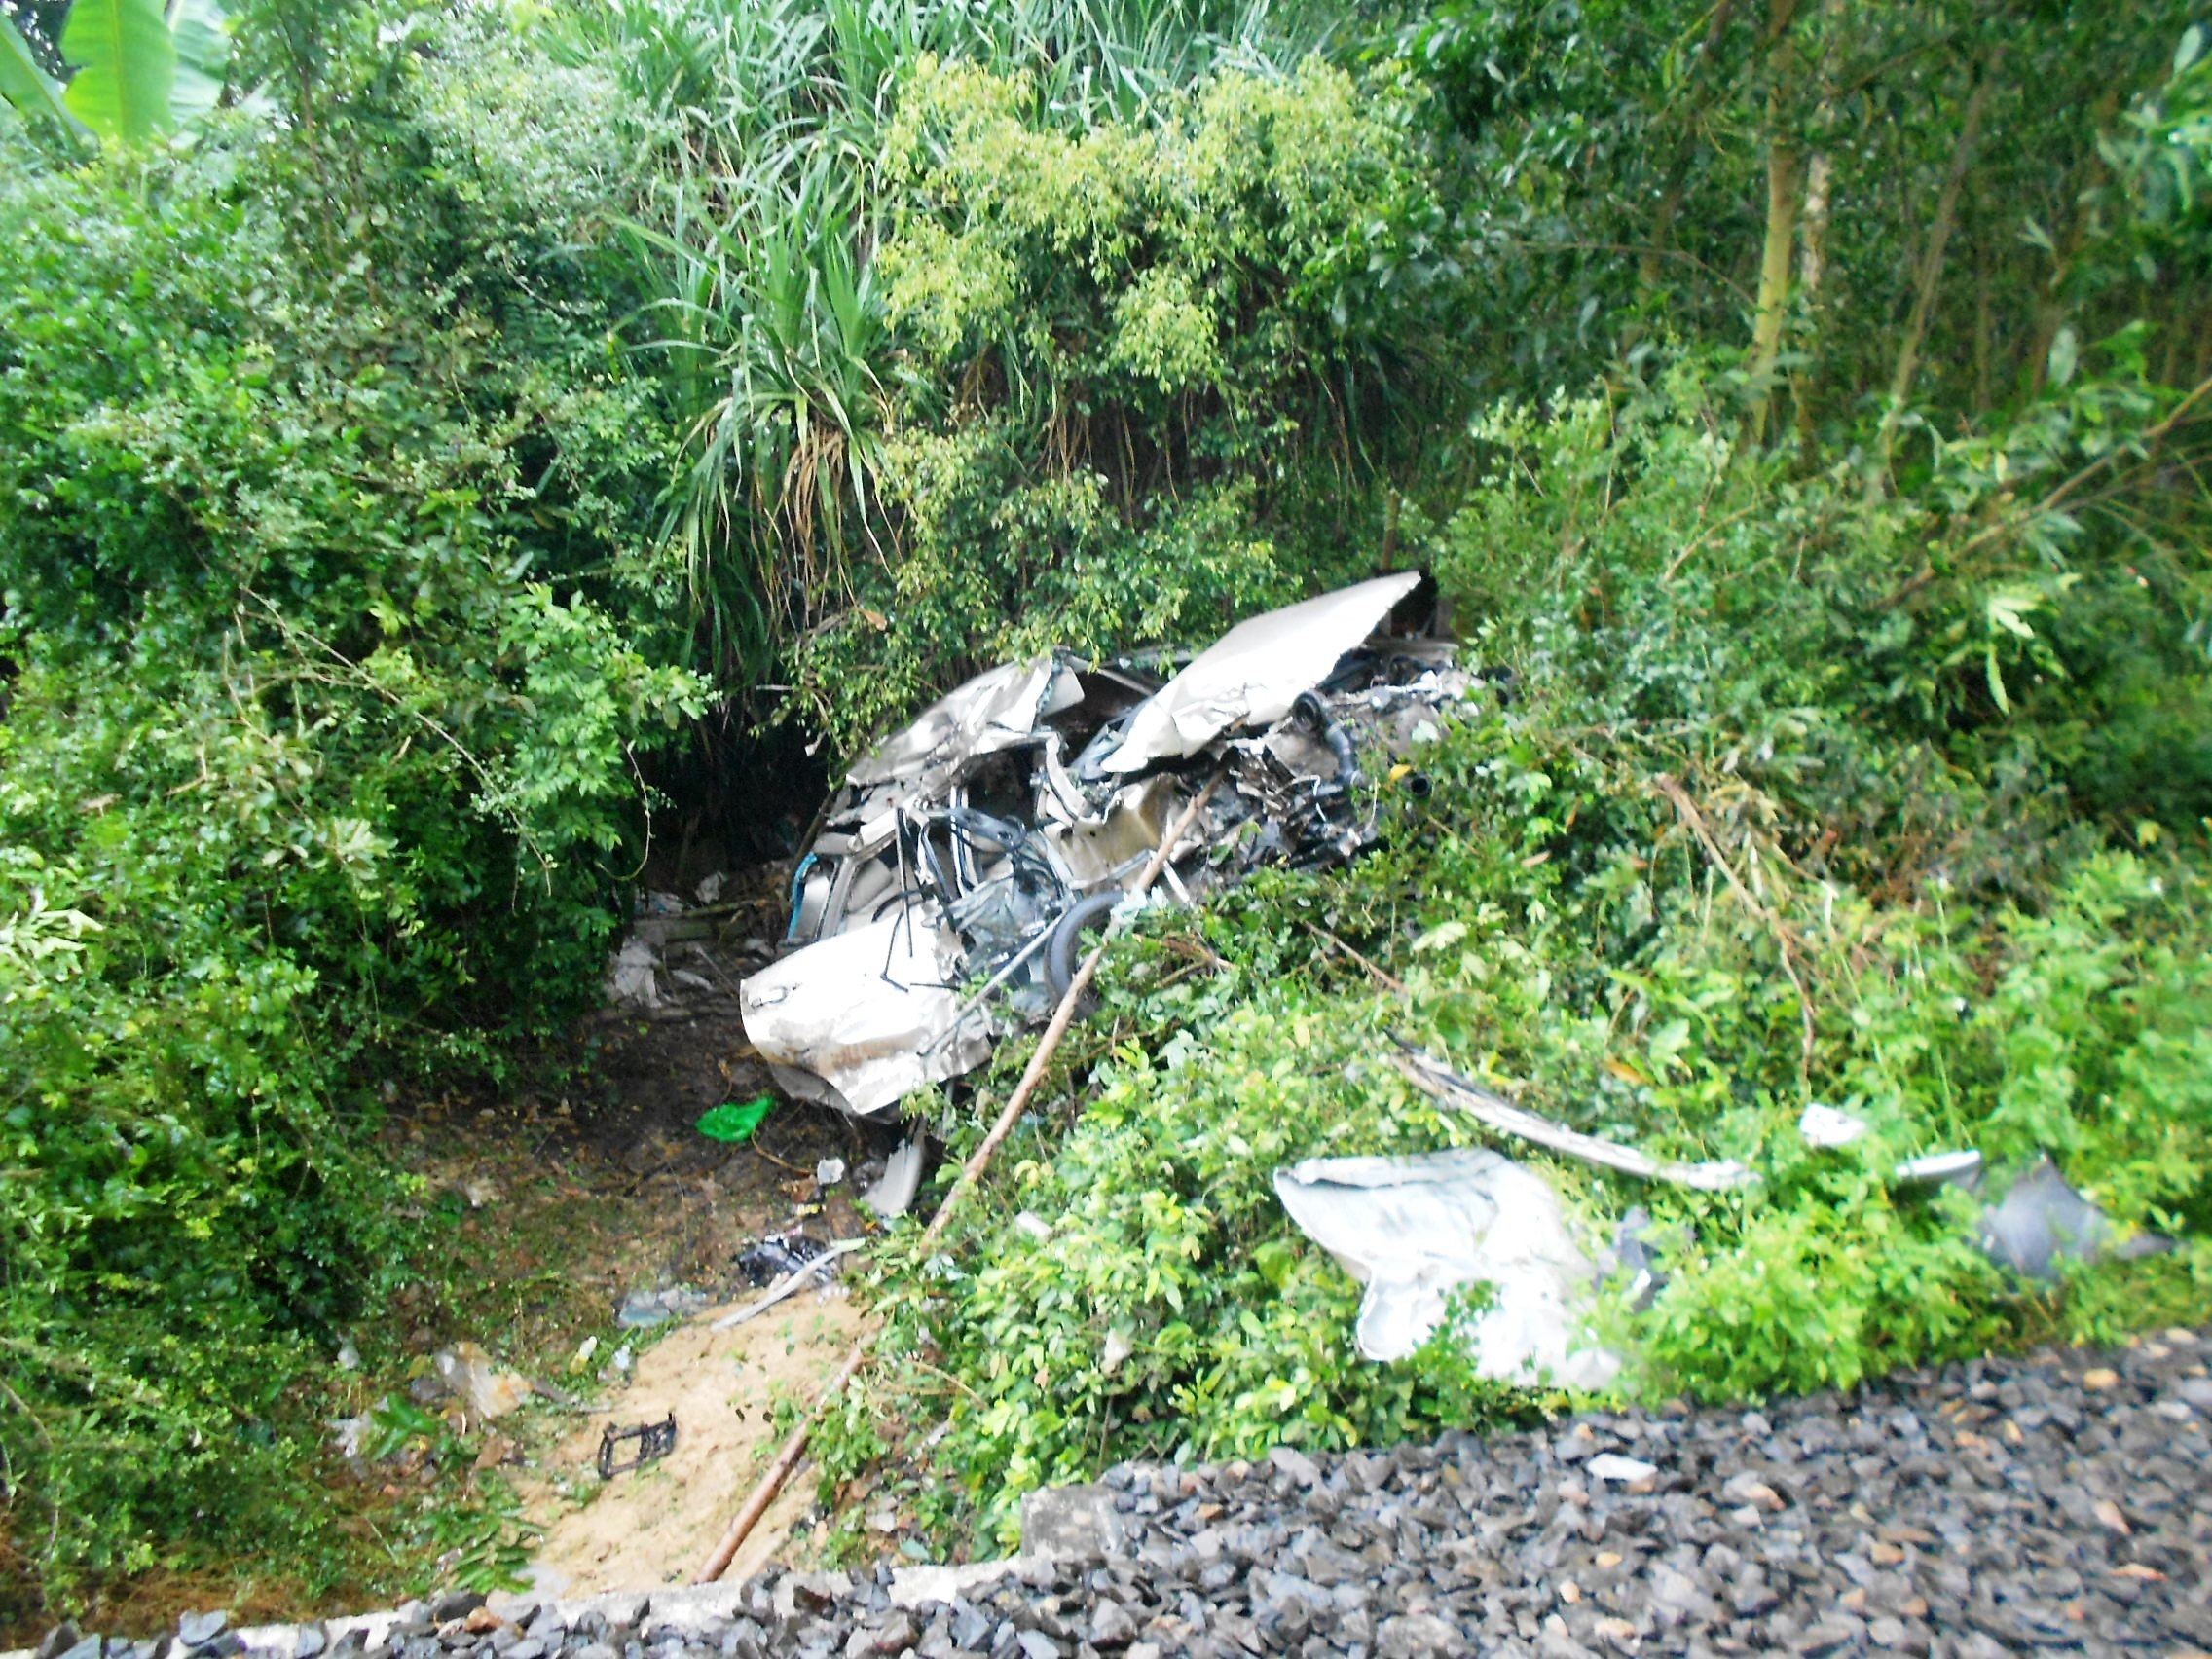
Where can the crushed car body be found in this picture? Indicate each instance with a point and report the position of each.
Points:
(944, 896)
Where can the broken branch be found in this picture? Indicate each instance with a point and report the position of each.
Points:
(1784, 937)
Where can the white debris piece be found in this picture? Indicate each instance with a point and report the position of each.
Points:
(893, 1194)
(1622, 1471)
(1413, 1229)
(996, 710)
(1827, 1127)
(469, 1374)
(630, 982)
(1117, 1348)
(1940, 1169)
(1253, 673)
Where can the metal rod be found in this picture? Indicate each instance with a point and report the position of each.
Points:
(1035, 943)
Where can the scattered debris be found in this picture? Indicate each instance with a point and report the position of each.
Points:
(876, 1008)
(653, 1441)
(830, 1172)
(2043, 1222)
(1116, 1349)
(975, 846)
(347, 1433)
(733, 1122)
(893, 1194)
(1635, 1254)
(630, 978)
(1941, 1169)
(811, 1270)
(642, 1309)
(778, 1255)
(1413, 1229)
(467, 1372)
(1493, 1112)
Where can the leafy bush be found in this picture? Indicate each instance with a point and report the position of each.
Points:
(317, 762)
(1117, 344)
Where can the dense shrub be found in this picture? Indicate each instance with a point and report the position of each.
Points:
(1114, 346)
(318, 750)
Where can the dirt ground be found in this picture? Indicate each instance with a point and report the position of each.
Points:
(655, 1525)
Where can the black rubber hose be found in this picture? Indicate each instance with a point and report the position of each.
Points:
(1316, 713)
(1064, 954)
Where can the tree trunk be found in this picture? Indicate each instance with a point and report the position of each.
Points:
(1930, 274)
(1784, 196)
(1703, 88)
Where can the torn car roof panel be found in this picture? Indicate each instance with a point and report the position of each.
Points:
(1255, 671)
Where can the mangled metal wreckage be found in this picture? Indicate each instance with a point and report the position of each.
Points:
(945, 898)
(957, 868)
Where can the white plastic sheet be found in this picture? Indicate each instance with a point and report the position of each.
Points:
(1413, 1229)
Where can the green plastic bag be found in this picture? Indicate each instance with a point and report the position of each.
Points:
(730, 1121)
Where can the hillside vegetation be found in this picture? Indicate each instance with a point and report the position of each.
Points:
(422, 425)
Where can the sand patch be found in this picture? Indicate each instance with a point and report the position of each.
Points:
(654, 1526)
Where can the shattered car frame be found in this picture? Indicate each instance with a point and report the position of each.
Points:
(956, 869)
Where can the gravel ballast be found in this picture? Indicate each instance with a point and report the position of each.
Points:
(2061, 1501)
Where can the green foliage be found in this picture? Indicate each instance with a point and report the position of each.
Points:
(1151, 323)
(318, 761)
(126, 67)
(26, 86)
(381, 457)
(1122, 265)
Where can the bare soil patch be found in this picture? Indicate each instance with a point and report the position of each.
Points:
(654, 1525)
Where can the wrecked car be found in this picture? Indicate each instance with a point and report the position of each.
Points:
(955, 871)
